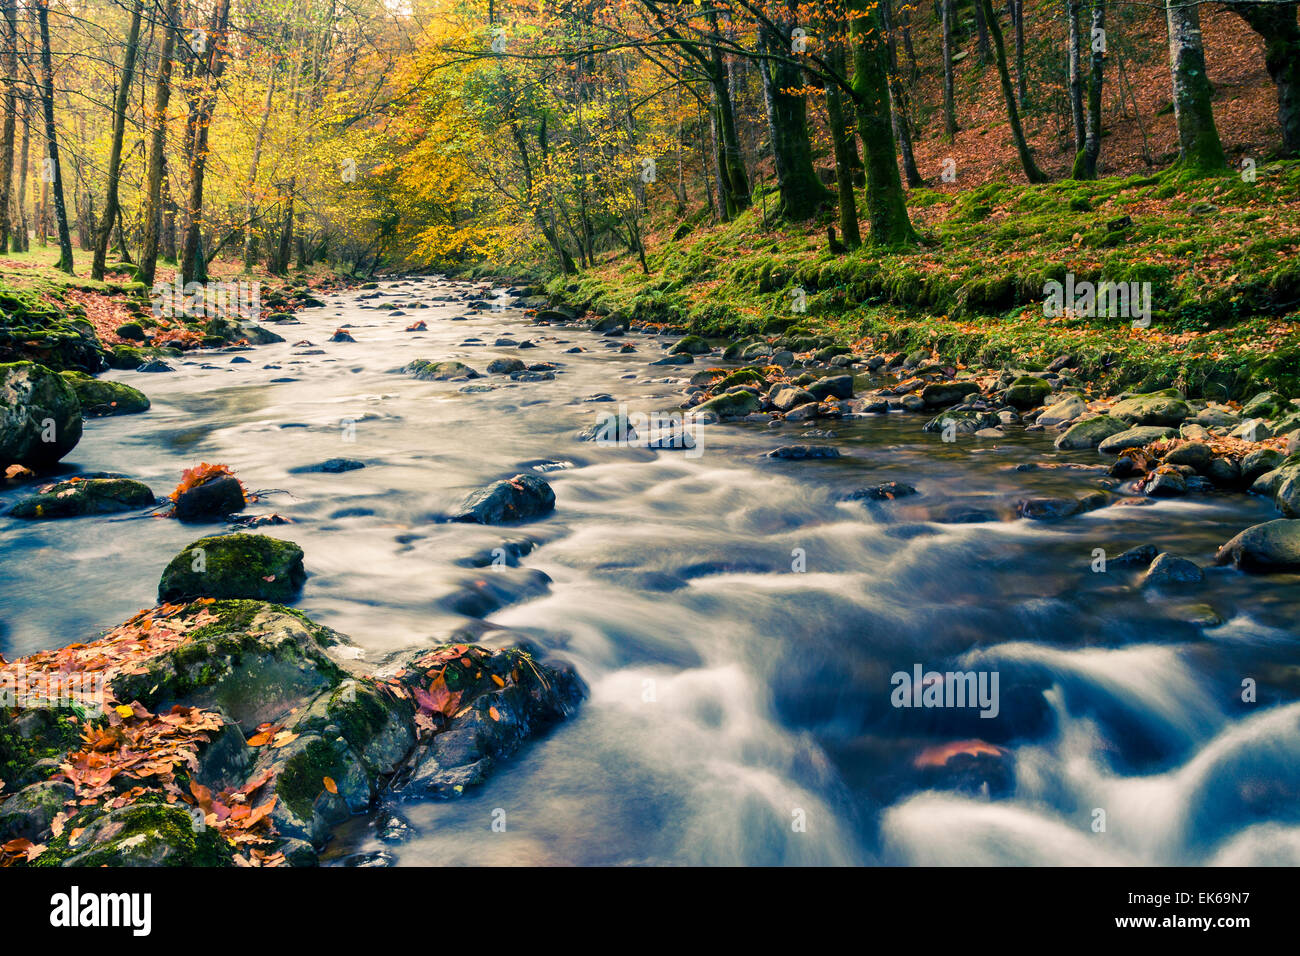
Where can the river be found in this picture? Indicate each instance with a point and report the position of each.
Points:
(737, 623)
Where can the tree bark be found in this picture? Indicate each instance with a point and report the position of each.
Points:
(250, 204)
(1276, 23)
(802, 193)
(1032, 172)
(21, 241)
(1074, 40)
(194, 266)
(157, 146)
(1022, 81)
(1199, 148)
(900, 101)
(56, 173)
(1085, 163)
(10, 27)
(886, 200)
(949, 96)
(115, 152)
(840, 137)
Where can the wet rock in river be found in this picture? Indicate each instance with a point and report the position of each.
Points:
(832, 386)
(511, 499)
(85, 496)
(1133, 438)
(1139, 557)
(1169, 571)
(1165, 407)
(1028, 392)
(1264, 548)
(1066, 410)
(251, 566)
(800, 452)
(1090, 433)
(40, 416)
(331, 466)
(730, 405)
(427, 371)
(100, 397)
(943, 394)
(1047, 508)
(886, 491)
(208, 495)
(504, 366)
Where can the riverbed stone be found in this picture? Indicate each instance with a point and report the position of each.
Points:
(1170, 571)
(40, 416)
(250, 566)
(800, 452)
(1066, 410)
(427, 371)
(504, 366)
(943, 394)
(220, 495)
(1048, 508)
(1089, 433)
(788, 398)
(511, 499)
(832, 386)
(101, 397)
(1138, 437)
(689, 345)
(1165, 407)
(1273, 546)
(1259, 462)
(1028, 392)
(85, 496)
(1265, 405)
(730, 405)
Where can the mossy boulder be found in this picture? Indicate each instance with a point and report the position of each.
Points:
(1165, 407)
(29, 812)
(85, 496)
(1028, 392)
(1265, 405)
(251, 566)
(1138, 437)
(427, 371)
(1090, 432)
(943, 394)
(147, 833)
(100, 397)
(40, 416)
(729, 405)
(689, 345)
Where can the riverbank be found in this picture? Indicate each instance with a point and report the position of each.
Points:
(1219, 258)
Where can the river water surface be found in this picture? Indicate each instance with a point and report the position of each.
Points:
(738, 624)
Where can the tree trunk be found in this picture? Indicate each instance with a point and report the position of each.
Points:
(21, 242)
(1276, 23)
(900, 103)
(1032, 172)
(982, 32)
(1022, 81)
(250, 204)
(1085, 163)
(10, 27)
(1199, 148)
(286, 232)
(802, 193)
(949, 96)
(157, 146)
(56, 173)
(886, 200)
(733, 180)
(840, 137)
(194, 266)
(1074, 39)
(115, 152)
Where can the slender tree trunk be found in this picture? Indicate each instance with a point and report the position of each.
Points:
(157, 147)
(733, 180)
(115, 152)
(1032, 172)
(56, 173)
(1085, 163)
(900, 101)
(840, 137)
(886, 200)
(194, 266)
(1074, 39)
(982, 33)
(286, 231)
(1276, 23)
(1199, 148)
(1022, 81)
(21, 242)
(948, 15)
(250, 203)
(802, 193)
(10, 39)
(913, 68)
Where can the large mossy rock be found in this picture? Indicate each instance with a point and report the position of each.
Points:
(100, 397)
(85, 496)
(40, 416)
(1137, 437)
(1028, 392)
(943, 394)
(1165, 407)
(33, 331)
(729, 405)
(147, 833)
(252, 566)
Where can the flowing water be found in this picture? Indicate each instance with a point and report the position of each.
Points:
(738, 624)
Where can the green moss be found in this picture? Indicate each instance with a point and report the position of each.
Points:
(302, 779)
(148, 828)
